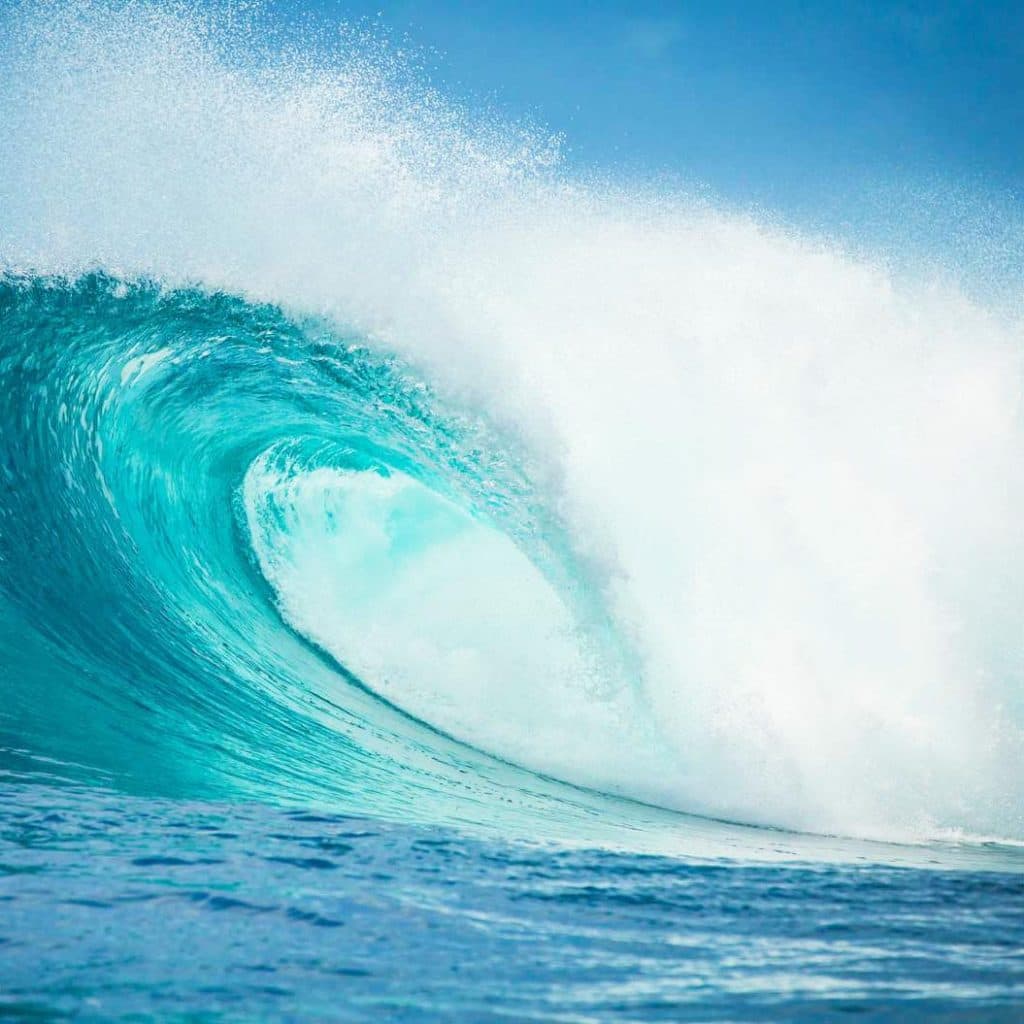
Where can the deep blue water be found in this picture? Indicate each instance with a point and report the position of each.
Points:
(119, 908)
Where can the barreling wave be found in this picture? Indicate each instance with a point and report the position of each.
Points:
(353, 452)
(228, 534)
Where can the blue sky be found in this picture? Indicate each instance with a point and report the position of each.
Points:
(772, 102)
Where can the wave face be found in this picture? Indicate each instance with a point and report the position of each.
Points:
(354, 451)
(251, 557)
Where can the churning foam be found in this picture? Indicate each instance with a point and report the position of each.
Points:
(798, 484)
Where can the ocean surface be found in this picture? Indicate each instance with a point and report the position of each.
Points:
(437, 587)
(138, 909)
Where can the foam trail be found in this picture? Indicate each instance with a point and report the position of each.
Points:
(792, 484)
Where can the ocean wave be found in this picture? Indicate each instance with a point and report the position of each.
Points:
(356, 452)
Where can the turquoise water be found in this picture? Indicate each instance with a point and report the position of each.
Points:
(181, 456)
(435, 587)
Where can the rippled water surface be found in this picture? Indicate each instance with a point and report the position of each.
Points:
(137, 909)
